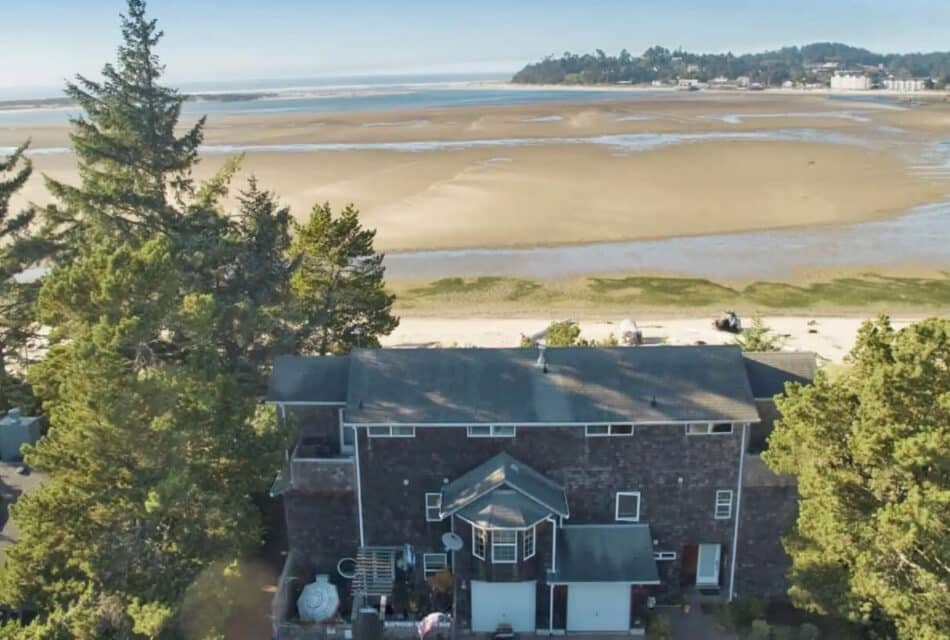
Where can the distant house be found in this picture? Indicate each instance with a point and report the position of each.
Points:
(581, 481)
(906, 84)
(850, 81)
(743, 82)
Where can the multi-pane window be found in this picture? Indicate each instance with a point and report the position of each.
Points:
(528, 546)
(391, 432)
(491, 431)
(504, 546)
(434, 562)
(723, 504)
(628, 506)
(708, 428)
(433, 507)
(479, 542)
(605, 430)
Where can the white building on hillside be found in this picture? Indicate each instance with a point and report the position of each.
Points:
(905, 84)
(850, 81)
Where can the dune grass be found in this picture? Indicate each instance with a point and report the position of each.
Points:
(862, 293)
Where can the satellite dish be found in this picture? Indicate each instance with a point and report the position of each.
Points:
(451, 541)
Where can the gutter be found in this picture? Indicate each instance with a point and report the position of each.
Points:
(735, 531)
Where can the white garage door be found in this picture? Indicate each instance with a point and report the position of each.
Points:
(495, 603)
(598, 606)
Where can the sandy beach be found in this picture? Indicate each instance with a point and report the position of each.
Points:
(831, 338)
(549, 174)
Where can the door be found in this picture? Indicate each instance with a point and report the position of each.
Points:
(688, 558)
(497, 603)
(598, 606)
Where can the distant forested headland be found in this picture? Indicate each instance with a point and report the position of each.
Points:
(810, 64)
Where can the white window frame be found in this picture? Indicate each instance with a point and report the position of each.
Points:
(494, 431)
(617, 516)
(707, 429)
(479, 540)
(529, 536)
(389, 431)
(440, 558)
(434, 501)
(513, 545)
(723, 508)
(610, 430)
(660, 556)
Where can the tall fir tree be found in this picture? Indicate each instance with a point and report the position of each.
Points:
(134, 169)
(338, 287)
(870, 451)
(17, 252)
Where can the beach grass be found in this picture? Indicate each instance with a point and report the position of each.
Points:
(860, 293)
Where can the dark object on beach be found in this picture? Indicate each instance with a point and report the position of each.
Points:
(23, 470)
(728, 321)
(813, 331)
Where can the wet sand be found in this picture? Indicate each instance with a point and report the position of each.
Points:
(567, 190)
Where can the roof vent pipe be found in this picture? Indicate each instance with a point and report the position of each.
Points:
(542, 362)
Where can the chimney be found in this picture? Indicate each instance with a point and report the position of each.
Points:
(542, 362)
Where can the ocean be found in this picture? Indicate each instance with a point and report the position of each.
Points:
(322, 95)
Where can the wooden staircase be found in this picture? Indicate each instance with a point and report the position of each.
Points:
(375, 572)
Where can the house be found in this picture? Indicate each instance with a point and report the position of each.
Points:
(906, 84)
(581, 481)
(850, 81)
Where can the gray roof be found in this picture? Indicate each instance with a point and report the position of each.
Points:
(582, 385)
(504, 509)
(768, 371)
(503, 471)
(605, 553)
(12, 486)
(316, 379)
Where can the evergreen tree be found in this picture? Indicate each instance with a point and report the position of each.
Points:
(338, 288)
(870, 450)
(133, 167)
(17, 252)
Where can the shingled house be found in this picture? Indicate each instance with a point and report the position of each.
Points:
(581, 480)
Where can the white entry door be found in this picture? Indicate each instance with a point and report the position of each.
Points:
(496, 603)
(598, 606)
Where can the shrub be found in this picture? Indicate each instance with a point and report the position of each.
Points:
(784, 632)
(760, 631)
(658, 628)
(808, 631)
(745, 610)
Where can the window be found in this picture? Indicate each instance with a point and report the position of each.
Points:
(433, 507)
(493, 431)
(605, 430)
(479, 542)
(434, 562)
(391, 432)
(664, 555)
(628, 506)
(706, 428)
(504, 546)
(723, 504)
(528, 548)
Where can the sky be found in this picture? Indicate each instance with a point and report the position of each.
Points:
(44, 41)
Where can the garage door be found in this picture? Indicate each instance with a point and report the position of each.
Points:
(598, 606)
(495, 603)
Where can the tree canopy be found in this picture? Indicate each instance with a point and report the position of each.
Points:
(759, 337)
(870, 450)
(769, 67)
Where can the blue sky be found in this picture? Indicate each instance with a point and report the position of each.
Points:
(44, 41)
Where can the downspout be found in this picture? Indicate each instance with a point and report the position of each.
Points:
(735, 530)
(359, 483)
(553, 570)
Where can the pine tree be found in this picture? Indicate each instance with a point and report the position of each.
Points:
(17, 252)
(338, 288)
(133, 167)
(870, 452)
